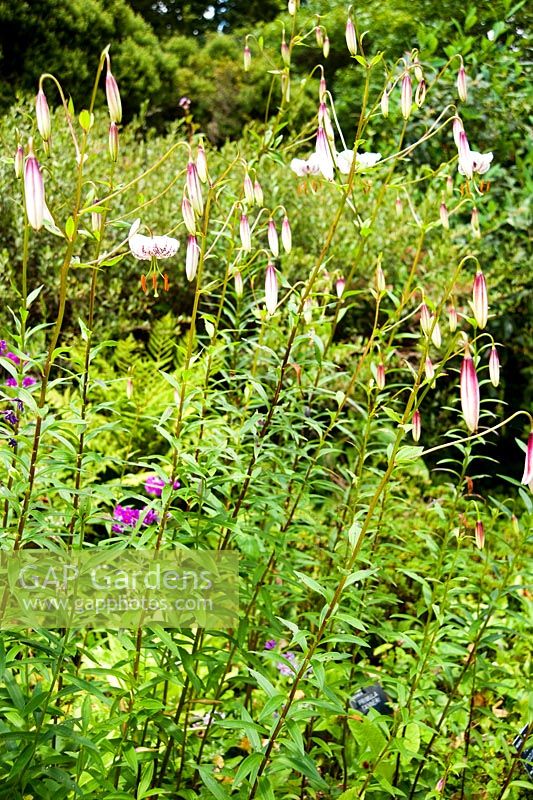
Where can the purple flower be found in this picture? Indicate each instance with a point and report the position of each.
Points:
(10, 417)
(12, 357)
(29, 380)
(270, 644)
(285, 669)
(125, 516)
(12, 443)
(3, 346)
(11, 382)
(154, 485)
(150, 517)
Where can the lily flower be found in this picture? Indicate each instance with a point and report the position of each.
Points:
(324, 155)
(527, 477)
(362, 160)
(309, 166)
(145, 248)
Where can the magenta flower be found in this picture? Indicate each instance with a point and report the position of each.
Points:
(11, 382)
(417, 425)
(285, 669)
(270, 644)
(469, 392)
(154, 485)
(12, 357)
(29, 380)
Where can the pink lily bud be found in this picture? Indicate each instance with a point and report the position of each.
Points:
(308, 311)
(285, 52)
(494, 366)
(452, 319)
(319, 35)
(187, 213)
(469, 392)
(385, 103)
(286, 234)
(419, 75)
(340, 285)
(420, 94)
(380, 279)
(351, 39)
(429, 369)
(246, 239)
(113, 142)
(436, 337)
(457, 128)
(480, 535)
(441, 783)
(443, 213)
(271, 289)
(322, 90)
(192, 258)
(129, 387)
(34, 190)
(18, 161)
(113, 97)
(258, 193)
(273, 241)
(380, 376)
(42, 113)
(474, 223)
(465, 156)
(194, 188)
(461, 84)
(449, 186)
(247, 58)
(201, 163)
(399, 207)
(425, 319)
(480, 304)
(239, 286)
(323, 153)
(325, 48)
(527, 477)
(285, 86)
(248, 190)
(406, 99)
(417, 425)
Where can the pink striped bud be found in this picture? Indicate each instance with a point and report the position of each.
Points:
(436, 337)
(494, 366)
(258, 193)
(271, 289)
(466, 164)
(325, 47)
(351, 39)
(129, 387)
(406, 99)
(239, 286)
(441, 783)
(113, 142)
(246, 239)
(285, 52)
(429, 369)
(385, 103)
(325, 121)
(285, 86)
(420, 94)
(340, 285)
(323, 153)
(443, 213)
(18, 161)
(42, 112)
(380, 279)
(34, 190)
(480, 535)
(201, 163)
(480, 304)
(417, 425)
(308, 311)
(96, 220)
(192, 258)
(474, 223)
(399, 207)
(194, 188)
(273, 241)
(425, 319)
(113, 97)
(457, 129)
(527, 477)
(452, 319)
(461, 84)
(247, 58)
(319, 35)
(380, 376)
(322, 90)
(469, 392)
(419, 74)
(187, 213)
(286, 234)
(449, 186)
(248, 190)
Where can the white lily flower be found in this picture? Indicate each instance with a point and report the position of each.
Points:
(147, 247)
(309, 166)
(363, 160)
(480, 162)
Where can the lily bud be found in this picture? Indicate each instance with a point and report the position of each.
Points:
(271, 289)
(425, 319)
(351, 39)
(420, 94)
(201, 164)
(452, 319)
(480, 535)
(380, 376)
(449, 186)
(285, 86)
(322, 90)
(308, 311)
(34, 191)
(239, 286)
(129, 387)
(194, 188)
(457, 128)
(380, 279)
(187, 213)
(258, 193)
(494, 366)
(246, 239)
(192, 258)
(286, 234)
(247, 58)
(429, 369)
(292, 7)
(273, 241)
(113, 142)
(469, 392)
(474, 223)
(406, 99)
(325, 48)
(113, 97)
(323, 153)
(417, 425)
(527, 477)
(285, 52)
(399, 207)
(385, 103)
(419, 74)
(480, 304)
(340, 285)
(319, 35)
(42, 112)
(18, 161)
(248, 190)
(461, 84)
(96, 220)
(443, 213)
(436, 337)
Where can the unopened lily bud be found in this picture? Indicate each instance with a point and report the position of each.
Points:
(42, 112)
(248, 190)
(480, 303)
(449, 186)
(246, 239)
(469, 392)
(201, 163)
(192, 258)
(443, 213)
(380, 279)
(452, 319)
(258, 193)
(247, 58)
(480, 535)
(474, 223)
(239, 286)
(380, 376)
(425, 319)
(113, 142)
(406, 99)
(340, 285)
(527, 477)
(385, 103)
(420, 94)
(319, 35)
(441, 783)
(285, 52)
(399, 207)
(494, 366)
(113, 97)
(96, 220)
(286, 234)
(461, 84)
(325, 48)
(18, 161)
(187, 213)
(351, 39)
(419, 74)
(194, 188)
(429, 369)
(273, 241)
(308, 311)
(436, 337)
(34, 190)
(286, 87)
(292, 7)
(271, 289)
(515, 525)
(417, 425)
(457, 129)
(322, 90)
